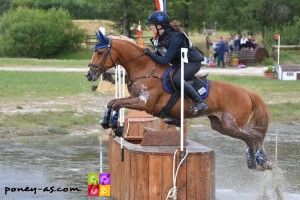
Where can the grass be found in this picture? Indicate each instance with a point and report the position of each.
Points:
(285, 112)
(282, 97)
(288, 57)
(45, 123)
(81, 55)
(33, 62)
(42, 84)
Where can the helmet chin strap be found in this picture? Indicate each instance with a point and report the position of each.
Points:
(157, 30)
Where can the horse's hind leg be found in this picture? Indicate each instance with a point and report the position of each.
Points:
(227, 126)
(217, 125)
(251, 158)
(261, 159)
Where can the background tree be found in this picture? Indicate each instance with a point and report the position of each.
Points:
(4, 5)
(253, 16)
(38, 33)
(87, 9)
(127, 13)
(235, 16)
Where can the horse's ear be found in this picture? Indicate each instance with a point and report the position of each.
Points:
(102, 38)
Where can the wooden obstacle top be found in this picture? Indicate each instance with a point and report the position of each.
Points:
(191, 147)
(138, 114)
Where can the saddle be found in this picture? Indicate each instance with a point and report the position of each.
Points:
(199, 83)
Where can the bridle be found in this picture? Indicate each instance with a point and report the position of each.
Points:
(98, 67)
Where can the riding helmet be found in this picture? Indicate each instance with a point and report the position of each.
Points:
(159, 17)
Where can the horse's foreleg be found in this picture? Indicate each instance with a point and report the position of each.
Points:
(106, 117)
(111, 114)
(111, 103)
(130, 103)
(107, 114)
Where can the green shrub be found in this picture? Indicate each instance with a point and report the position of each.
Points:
(38, 33)
(269, 61)
(289, 34)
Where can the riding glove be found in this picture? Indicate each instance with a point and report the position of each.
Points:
(147, 51)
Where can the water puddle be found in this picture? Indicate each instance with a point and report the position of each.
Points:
(49, 161)
(64, 161)
(234, 181)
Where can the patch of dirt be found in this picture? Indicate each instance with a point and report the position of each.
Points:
(81, 103)
(87, 102)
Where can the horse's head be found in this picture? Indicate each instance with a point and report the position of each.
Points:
(102, 59)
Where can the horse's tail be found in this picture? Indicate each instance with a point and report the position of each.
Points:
(260, 117)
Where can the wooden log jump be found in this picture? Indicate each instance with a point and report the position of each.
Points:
(147, 169)
(284, 48)
(252, 57)
(146, 172)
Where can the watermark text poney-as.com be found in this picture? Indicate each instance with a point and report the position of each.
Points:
(34, 190)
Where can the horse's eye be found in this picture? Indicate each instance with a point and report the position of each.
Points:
(100, 53)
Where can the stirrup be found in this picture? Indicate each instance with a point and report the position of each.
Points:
(201, 106)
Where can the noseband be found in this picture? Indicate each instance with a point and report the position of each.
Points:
(101, 65)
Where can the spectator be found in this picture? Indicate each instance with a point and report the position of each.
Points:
(250, 44)
(215, 47)
(229, 48)
(208, 43)
(230, 44)
(211, 60)
(237, 42)
(221, 49)
(243, 42)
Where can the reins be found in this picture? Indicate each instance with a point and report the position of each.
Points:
(147, 76)
(104, 69)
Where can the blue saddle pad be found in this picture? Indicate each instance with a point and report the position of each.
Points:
(197, 84)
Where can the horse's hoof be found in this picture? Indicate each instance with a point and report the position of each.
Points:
(251, 165)
(119, 131)
(172, 122)
(105, 124)
(260, 161)
(113, 123)
(266, 166)
(261, 158)
(106, 117)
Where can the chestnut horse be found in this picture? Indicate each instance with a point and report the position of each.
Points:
(233, 111)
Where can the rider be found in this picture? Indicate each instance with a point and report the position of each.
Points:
(172, 38)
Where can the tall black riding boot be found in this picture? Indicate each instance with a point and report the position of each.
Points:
(193, 94)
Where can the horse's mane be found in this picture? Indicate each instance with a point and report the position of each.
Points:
(123, 37)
